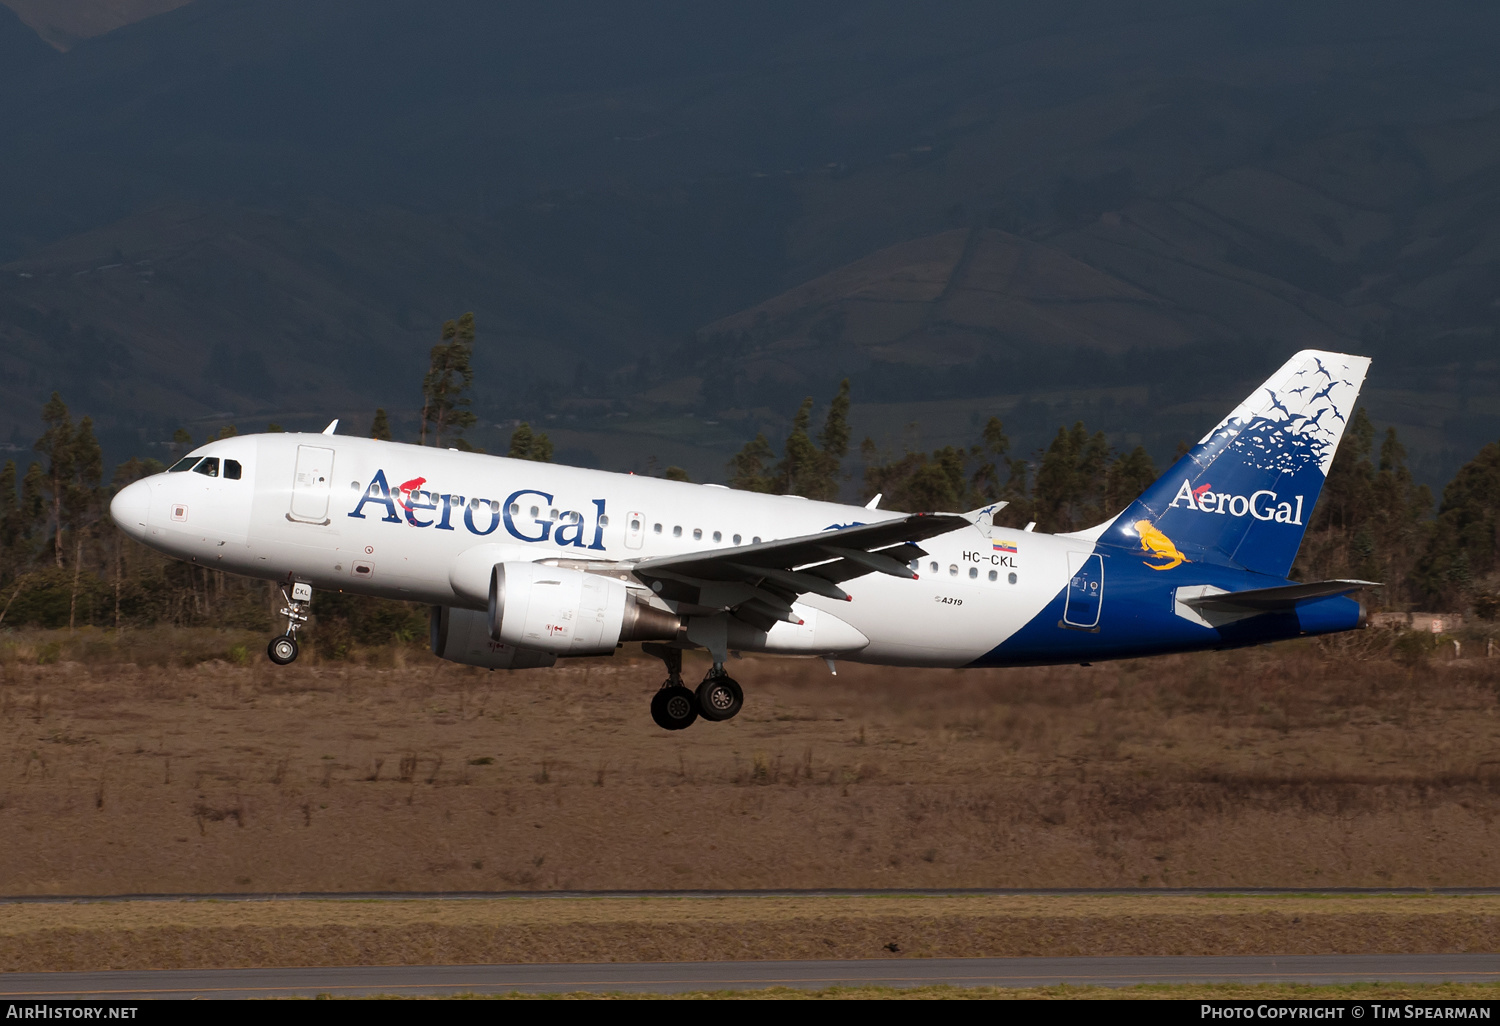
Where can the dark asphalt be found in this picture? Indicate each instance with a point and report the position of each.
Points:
(666, 977)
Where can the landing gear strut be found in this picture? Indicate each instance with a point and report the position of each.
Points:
(283, 649)
(673, 707)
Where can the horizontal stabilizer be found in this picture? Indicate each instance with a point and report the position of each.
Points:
(1266, 600)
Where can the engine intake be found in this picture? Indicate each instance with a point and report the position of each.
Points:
(569, 612)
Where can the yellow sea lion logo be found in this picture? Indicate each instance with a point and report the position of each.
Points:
(1159, 546)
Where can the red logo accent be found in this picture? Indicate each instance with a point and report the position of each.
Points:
(1197, 492)
(405, 490)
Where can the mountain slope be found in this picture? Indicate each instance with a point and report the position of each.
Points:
(671, 206)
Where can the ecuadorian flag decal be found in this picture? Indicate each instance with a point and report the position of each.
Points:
(1005, 546)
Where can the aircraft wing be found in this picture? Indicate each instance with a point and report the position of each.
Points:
(1266, 600)
(758, 583)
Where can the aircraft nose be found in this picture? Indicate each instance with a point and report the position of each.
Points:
(129, 508)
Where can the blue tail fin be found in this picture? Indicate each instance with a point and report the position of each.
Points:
(1244, 494)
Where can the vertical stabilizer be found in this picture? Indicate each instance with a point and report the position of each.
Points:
(1244, 494)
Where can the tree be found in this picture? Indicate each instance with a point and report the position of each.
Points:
(1129, 475)
(1369, 522)
(806, 468)
(1464, 547)
(748, 467)
(56, 444)
(84, 502)
(445, 407)
(676, 474)
(1070, 480)
(11, 527)
(526, 445)
(951, 479)
(33, 497)
(799, 457)
(381, 428)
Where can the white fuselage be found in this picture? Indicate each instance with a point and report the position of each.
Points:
(309, 508)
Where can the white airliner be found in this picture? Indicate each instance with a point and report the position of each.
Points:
(525, 562)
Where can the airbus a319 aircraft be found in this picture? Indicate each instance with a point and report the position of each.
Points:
(524, 563)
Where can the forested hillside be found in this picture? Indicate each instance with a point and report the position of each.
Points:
(63, 563)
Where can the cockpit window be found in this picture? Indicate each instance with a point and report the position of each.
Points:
(209, 467)
(232, 469)
(186, 463)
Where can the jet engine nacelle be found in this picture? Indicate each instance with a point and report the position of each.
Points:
(569, 612)
(463, 636)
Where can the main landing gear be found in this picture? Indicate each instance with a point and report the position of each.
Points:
(674, 707)
(283, 649)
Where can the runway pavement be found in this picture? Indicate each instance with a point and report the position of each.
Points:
(670, 977)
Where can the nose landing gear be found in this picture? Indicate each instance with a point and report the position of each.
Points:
(675, 707)
(283, 650)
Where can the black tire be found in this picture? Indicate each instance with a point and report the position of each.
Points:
(674, 708)
(720, 698)
(282, 650)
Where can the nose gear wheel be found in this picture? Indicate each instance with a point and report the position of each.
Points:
(282, 650)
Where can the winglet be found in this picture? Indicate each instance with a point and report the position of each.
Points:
(334, 423)
(875, 502)
(984, 518)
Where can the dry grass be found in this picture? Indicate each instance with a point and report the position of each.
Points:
(1305, 764)
(1149, 992)
(205, 934)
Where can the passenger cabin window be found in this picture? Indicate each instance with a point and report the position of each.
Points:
(209, 467)
(677, 531)
(736, 539)
(186, 463)
(656, 529)
(994, 575)
(973, 572)
(718, 537)
(697, 534)
(232, 469)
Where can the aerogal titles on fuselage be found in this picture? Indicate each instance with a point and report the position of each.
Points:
(1262, 505)
(420, 507)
